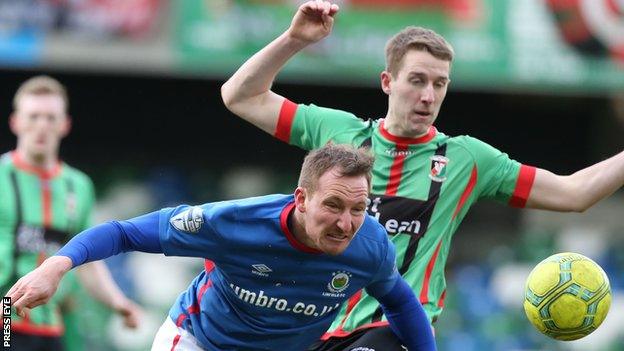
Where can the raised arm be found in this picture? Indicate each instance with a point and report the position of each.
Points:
(102, 241)
(579, 191)
(248, 92)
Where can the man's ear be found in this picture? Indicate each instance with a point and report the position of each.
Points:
(300, 197)
(66, 126)
(386, 80)
(13, 123)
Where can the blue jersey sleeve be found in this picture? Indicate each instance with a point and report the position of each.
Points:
(387, 274)
(197, 231)
(407, 317)
(112, 238)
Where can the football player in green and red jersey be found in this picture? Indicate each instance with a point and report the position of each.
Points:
(44, 203)
(424, 181)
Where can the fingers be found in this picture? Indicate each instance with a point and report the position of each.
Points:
(322, 7)
(131, 313)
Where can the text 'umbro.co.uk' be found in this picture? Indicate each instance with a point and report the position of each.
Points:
(259, 299)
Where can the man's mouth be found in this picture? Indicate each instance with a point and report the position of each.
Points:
(337, 237)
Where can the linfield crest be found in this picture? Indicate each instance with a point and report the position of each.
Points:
(339, 282)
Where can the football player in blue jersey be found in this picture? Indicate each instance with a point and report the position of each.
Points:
(284, 263)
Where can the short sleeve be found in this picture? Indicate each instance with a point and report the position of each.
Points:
(311, 127)
(499, 177)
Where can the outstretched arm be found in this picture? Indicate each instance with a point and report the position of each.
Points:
(407, 318)
(579, 191)
(248, 92)
(102, 241)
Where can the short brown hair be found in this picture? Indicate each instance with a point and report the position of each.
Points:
(416, 38)
(41, 85)
(351, 161)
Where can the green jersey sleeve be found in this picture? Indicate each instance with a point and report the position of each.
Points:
(310, 126)
(500, 178)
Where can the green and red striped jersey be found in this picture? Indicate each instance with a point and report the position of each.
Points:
(422, 189)
(39, 212)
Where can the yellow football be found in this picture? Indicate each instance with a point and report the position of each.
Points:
(567, 296)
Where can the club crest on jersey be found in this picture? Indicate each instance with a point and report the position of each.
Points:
(339, 282)
(189, 221)
(438, 168)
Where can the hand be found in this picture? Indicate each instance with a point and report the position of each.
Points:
(313, 21)
(130, 312)
(37, 287)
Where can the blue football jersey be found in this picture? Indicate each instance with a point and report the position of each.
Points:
(267, 291)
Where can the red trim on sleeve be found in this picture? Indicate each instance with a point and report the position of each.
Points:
(285, 120)
(467, 191)
(523, 186)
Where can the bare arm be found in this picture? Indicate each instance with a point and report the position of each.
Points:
(579, 191)
(248, 92)
(96, 278)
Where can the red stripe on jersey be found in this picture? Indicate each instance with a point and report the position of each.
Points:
(175, 342)
(340, 333)
(46, 200)
(394, 180)
(425, 289)
(285, 120)
(203, 289)
(353, 300)
(442, 297)
(467, 191)
(523, 186)
(291, 238)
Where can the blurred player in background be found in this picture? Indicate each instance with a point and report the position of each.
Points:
(44, 203)
(284, 263)
(424, 181)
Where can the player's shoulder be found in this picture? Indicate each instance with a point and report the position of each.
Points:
(76, 175)
(5, 161)
(333, 112)
(372, 231)
(467, 144)
(267, 206)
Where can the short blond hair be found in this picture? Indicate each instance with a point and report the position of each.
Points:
(349, 160)
(416, 38)
(41, 85)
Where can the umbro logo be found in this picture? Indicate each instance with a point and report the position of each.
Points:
(261, 269)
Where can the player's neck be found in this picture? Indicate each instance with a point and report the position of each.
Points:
(45, 162)
(297, 228)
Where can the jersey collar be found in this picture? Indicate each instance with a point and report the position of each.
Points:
(39, 171)
(431, 133)
(291, 238)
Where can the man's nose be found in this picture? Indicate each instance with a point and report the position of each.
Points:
(344, 222)
(427, 95)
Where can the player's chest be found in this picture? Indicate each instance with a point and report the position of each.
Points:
(296, 279)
